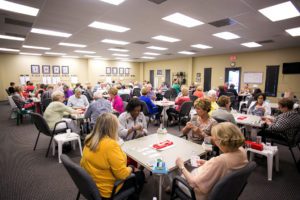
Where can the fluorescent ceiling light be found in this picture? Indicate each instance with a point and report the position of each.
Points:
(30, 54)
(108, 27)
(18, 8)
(72, 45)
(114, 2)
(122, 55)
(148, 57)
(157, 48)
(117, 49)
(151, 54)
(11, 50)
(70, 56)
(186, 52)
(294, 31)
(183, 20)
(115, 42)
(251, 44)
(87, 52)
(7, 37)
(89, 56)
(55, 53)
(280, 11)
(35, 47)
(201, 46)
(166, 38)
(226, 35)
(49, 32)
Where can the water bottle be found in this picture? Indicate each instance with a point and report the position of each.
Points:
(154, 198)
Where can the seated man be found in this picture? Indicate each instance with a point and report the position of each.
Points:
(78, 100)
(98, 107)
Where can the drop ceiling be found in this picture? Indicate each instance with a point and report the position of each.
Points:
(144, 18)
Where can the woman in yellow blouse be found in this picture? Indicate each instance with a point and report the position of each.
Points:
(103, 158)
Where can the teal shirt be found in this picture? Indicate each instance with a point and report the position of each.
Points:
(176, 86)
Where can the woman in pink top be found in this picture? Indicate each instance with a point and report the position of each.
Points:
(173, 112)
(229, 139)
(199, 93)
(116, 100)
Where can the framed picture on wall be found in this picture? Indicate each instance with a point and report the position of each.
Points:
(46, 69)
(108, 70)
(127, 71)
(121, 70)
(114, 70)
(159, 72)
(35, 69)
(65, 69)
(55, 69)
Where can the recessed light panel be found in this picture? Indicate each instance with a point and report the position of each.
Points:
(201, 46)
(55, 53)
(182, 20)
(7, 37)
(70, 56)
(165, 38)
(87, 52)
(30, 54)
(114, 2)
(294, 31)
(35, 47)
(72, 45)
(157, 48)
(9, 50)
(280, 11)
(148, 57)
(89, 56)
(151, 54)
(50, 32)
(18, 8)
(251, 44)
(186, 52)
(117, 49)
(226, 35)
(122, 55)
(108, 27)
(115, 42)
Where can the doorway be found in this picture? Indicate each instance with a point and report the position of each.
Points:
(233, 76)
(207, 79)
(152, 77)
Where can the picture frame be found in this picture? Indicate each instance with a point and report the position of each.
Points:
(159, 72)
(108, 70)
(55, 69)
(46, 69)
(114, 70)
(65, 69)
(121, 70)
(35, 69)
(127, 71)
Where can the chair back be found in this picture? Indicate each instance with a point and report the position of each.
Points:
(125, 103)
(145, 108)
(45, 103)
(125, 97)
(193, 98)
(7, 91)
(167, 94)
(186, 108)
(136, 92)
(173, 93)
(12, 103)
(81, 178)
(41, 124)
(234, 182)
(219, 120)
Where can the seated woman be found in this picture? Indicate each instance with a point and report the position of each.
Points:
(229, 139)
(116, 100)
(212, 96)
(285, 123)
(223, 112)
(20, 101)
(56, 110)
(78, 100)
(174, 112)
(200, 124)
(199, 92)
(132, 122)
(104, 159)
(259, 106)
(152, 108)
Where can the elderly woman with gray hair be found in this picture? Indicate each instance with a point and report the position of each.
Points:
(78, 100)
(98, 107)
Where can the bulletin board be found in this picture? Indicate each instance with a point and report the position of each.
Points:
(253, 77)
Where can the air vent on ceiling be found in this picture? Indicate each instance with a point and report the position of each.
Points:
(140, 42)
(223, 22)
(157, 1)
(18, 22)
(16, 35)
(265, 41)
(168, 54)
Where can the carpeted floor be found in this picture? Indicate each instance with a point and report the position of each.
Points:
(26, 174)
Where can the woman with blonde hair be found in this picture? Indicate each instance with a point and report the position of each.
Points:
(116, 100)
(199, 92)
(104, 159)
(229, 139)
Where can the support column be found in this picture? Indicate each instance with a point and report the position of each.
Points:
(190, 75)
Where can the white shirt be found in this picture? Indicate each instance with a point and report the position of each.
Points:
(81, 102)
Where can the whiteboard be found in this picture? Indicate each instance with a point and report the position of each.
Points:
(253, 77)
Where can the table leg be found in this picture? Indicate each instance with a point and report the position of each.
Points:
(160, 187)
(163, 120)
(277, 161)
(270, 166)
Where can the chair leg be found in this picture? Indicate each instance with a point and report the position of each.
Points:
(36, 141)
(179, 122)
(78, 195)
(49, 147)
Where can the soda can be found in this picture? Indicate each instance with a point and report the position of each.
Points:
(258, 139)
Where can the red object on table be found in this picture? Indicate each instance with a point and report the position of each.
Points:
(162, 144)
(254, 145)
(242, 117)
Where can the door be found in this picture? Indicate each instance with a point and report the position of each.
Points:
(271, 84)
(233, 76)
(207, 79)
(168, 77)
(152, 77)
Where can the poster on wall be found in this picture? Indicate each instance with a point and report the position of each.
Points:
(46, 69)
(198, 77)
(108, 70)
(114, 70)
(55, 69)
(121, 70)
(35, 69)
(127, 71)
(159, 72)
(65, 69)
